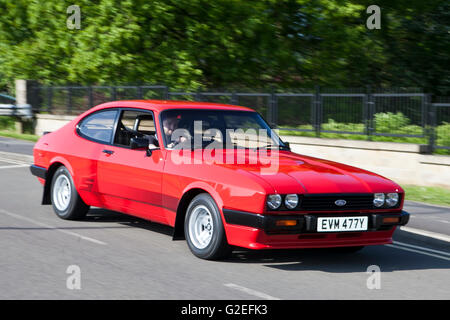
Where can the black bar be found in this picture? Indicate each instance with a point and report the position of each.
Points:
(38, 171)
(243, 218)
(264, 222)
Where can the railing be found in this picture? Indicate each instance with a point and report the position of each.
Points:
(8, 107)
(362, 113)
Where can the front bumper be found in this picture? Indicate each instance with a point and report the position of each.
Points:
(307, 223)
(258, 231)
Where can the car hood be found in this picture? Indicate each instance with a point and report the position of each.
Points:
(293, 173)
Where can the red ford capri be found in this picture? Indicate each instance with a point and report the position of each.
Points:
(218, 174)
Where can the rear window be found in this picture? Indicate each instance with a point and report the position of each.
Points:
(98, 126)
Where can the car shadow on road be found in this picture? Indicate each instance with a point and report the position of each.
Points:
(104, 215)
(387, 258)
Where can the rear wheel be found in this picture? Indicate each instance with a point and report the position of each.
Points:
(204, 230)
(66, 201)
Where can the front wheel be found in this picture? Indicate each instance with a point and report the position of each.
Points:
(204, 230)
(66, 201)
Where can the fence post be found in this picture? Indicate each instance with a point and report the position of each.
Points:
(234, 98)
(317, 111)
(69, 100)
(272, 109)
(166, 93)
(114, 93)
(369, 112)
(198, 96)
(26, 97)
(90, 97)
(49, 98)
(431, 125)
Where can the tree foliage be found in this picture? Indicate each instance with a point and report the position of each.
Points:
(194, 44)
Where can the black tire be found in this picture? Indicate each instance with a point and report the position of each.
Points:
(218, 246)
(76, 209)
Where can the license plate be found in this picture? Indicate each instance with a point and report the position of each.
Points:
(339, 224)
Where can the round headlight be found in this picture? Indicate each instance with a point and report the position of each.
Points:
(378, 199)
(274, 201)
(392, 199)
(291, 201)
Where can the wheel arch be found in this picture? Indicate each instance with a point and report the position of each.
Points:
(55, 164)
(188, 195)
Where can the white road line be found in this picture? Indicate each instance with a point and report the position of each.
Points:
(444, 221)
(14, 166)
(17, 216)
(425, 233)
(12, 156)
(417, 251)
(12, 161)
(250, 291)
(422, 248)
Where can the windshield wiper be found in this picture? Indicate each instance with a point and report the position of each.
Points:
(271, 146)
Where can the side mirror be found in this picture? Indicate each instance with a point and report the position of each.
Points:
(138, 143)
(287, 145)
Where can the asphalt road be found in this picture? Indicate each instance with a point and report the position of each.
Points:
(122, 257)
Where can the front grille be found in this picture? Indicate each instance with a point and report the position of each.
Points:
(322, 202)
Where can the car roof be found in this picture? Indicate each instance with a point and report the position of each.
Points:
(160, 105)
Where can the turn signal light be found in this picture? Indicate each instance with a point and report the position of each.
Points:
(286, 223)
(391, 220)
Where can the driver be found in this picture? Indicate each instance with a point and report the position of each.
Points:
(170, 124)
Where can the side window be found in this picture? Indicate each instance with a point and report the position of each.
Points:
(98, 126)
(135, 124)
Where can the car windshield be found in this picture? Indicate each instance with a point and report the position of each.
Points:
(199, 128)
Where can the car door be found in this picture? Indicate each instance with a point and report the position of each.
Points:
(94, 133)
(130, 179)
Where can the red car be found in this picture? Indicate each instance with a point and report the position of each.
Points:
(218, 174)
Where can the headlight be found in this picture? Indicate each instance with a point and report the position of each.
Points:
(392, 199)
(291, 201)
(378, 199)
(274, 201)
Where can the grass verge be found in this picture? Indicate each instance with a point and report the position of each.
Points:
(431, 195)
(22, 136)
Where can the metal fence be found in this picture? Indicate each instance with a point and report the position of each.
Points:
(406, 113)
(440, 124)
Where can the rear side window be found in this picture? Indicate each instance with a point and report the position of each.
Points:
(98, 126)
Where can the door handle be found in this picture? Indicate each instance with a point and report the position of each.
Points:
(108, 152)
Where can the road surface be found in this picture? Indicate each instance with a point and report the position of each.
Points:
(115, 256)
